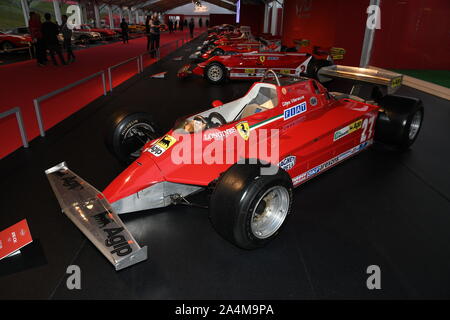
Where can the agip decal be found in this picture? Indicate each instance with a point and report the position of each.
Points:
(162, 145)
(347, 130)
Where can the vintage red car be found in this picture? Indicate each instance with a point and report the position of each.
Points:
(104, 32)
(253, 65)
(13, 41)
(248, 154)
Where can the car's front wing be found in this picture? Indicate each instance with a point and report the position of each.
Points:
(92, 214)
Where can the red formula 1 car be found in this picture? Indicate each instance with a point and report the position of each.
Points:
(288, 129)
(253, 65)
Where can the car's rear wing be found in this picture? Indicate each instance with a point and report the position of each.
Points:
(387, 79)
(92, 214)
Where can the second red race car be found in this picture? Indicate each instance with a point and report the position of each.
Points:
(282, 133)
(253, 65)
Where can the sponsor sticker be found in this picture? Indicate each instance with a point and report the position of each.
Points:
(313, 101)
(262, 59)
(244, 129)
(162, 145)
(288, 163)
(327, 164)
(347, 130)
(218, 135)
(273, 58)
(294, 111)
(250, 70)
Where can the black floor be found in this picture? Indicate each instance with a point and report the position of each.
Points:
(379, 208)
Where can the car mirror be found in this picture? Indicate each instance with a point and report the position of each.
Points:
(217, 103)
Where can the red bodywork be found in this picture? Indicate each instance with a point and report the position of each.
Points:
(18, 41)
(315, 132)
(252, 65)
(106, 33)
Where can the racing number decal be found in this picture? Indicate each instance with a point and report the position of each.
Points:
(367, 128)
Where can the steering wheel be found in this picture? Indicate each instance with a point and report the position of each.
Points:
(218, 117)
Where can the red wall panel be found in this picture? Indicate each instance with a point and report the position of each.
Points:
(414, 34)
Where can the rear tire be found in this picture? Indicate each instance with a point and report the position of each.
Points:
(249, 209)
(215, 73)
(126, 134)
(399, 121)
(315, 65)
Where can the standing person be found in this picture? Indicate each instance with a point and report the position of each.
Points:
(170, 25)
(154, 31)
(67, 43)
(50, 31)
(191, 27)
(147, 32)
(181, 25)
(175, 25)
(200, 22)
(207, 23)
(124, 27)
(35, 27)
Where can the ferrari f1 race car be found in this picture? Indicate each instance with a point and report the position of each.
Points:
(248, 154)
(253, 65)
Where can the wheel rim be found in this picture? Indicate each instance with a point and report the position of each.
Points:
(415, 125)
(142, 132)
(215, 73)
(7, 46)
(270, 212)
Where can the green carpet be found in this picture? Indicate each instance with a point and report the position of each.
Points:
(440, 77)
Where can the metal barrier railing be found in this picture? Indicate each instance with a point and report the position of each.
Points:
(18, 113)
(37, 101)
(138, 60)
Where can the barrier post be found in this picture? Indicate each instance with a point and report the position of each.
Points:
(18, 114)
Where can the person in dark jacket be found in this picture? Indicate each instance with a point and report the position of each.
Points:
(200, 22)
(147, 32)
(191, 27)
(50, 31)
(170, 25)
(154, 34)
(124, 27)
(35, 27)
(67, 43)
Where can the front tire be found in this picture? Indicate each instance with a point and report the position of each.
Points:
(126, 134)
(215, 73)
(248, 208)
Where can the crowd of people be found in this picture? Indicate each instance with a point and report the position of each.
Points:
(45, 38)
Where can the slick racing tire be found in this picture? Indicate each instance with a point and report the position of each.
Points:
(399, 121)
(126, 134)
(315, 65)
(248, 208)
(215, 73)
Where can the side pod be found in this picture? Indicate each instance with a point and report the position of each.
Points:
(92, 214)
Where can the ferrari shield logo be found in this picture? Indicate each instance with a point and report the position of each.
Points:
(243, 129)
(262, 59)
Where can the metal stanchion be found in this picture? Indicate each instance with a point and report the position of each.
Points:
(18, 113)
(37, 101)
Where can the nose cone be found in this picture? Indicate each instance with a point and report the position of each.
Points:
(141, 174)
